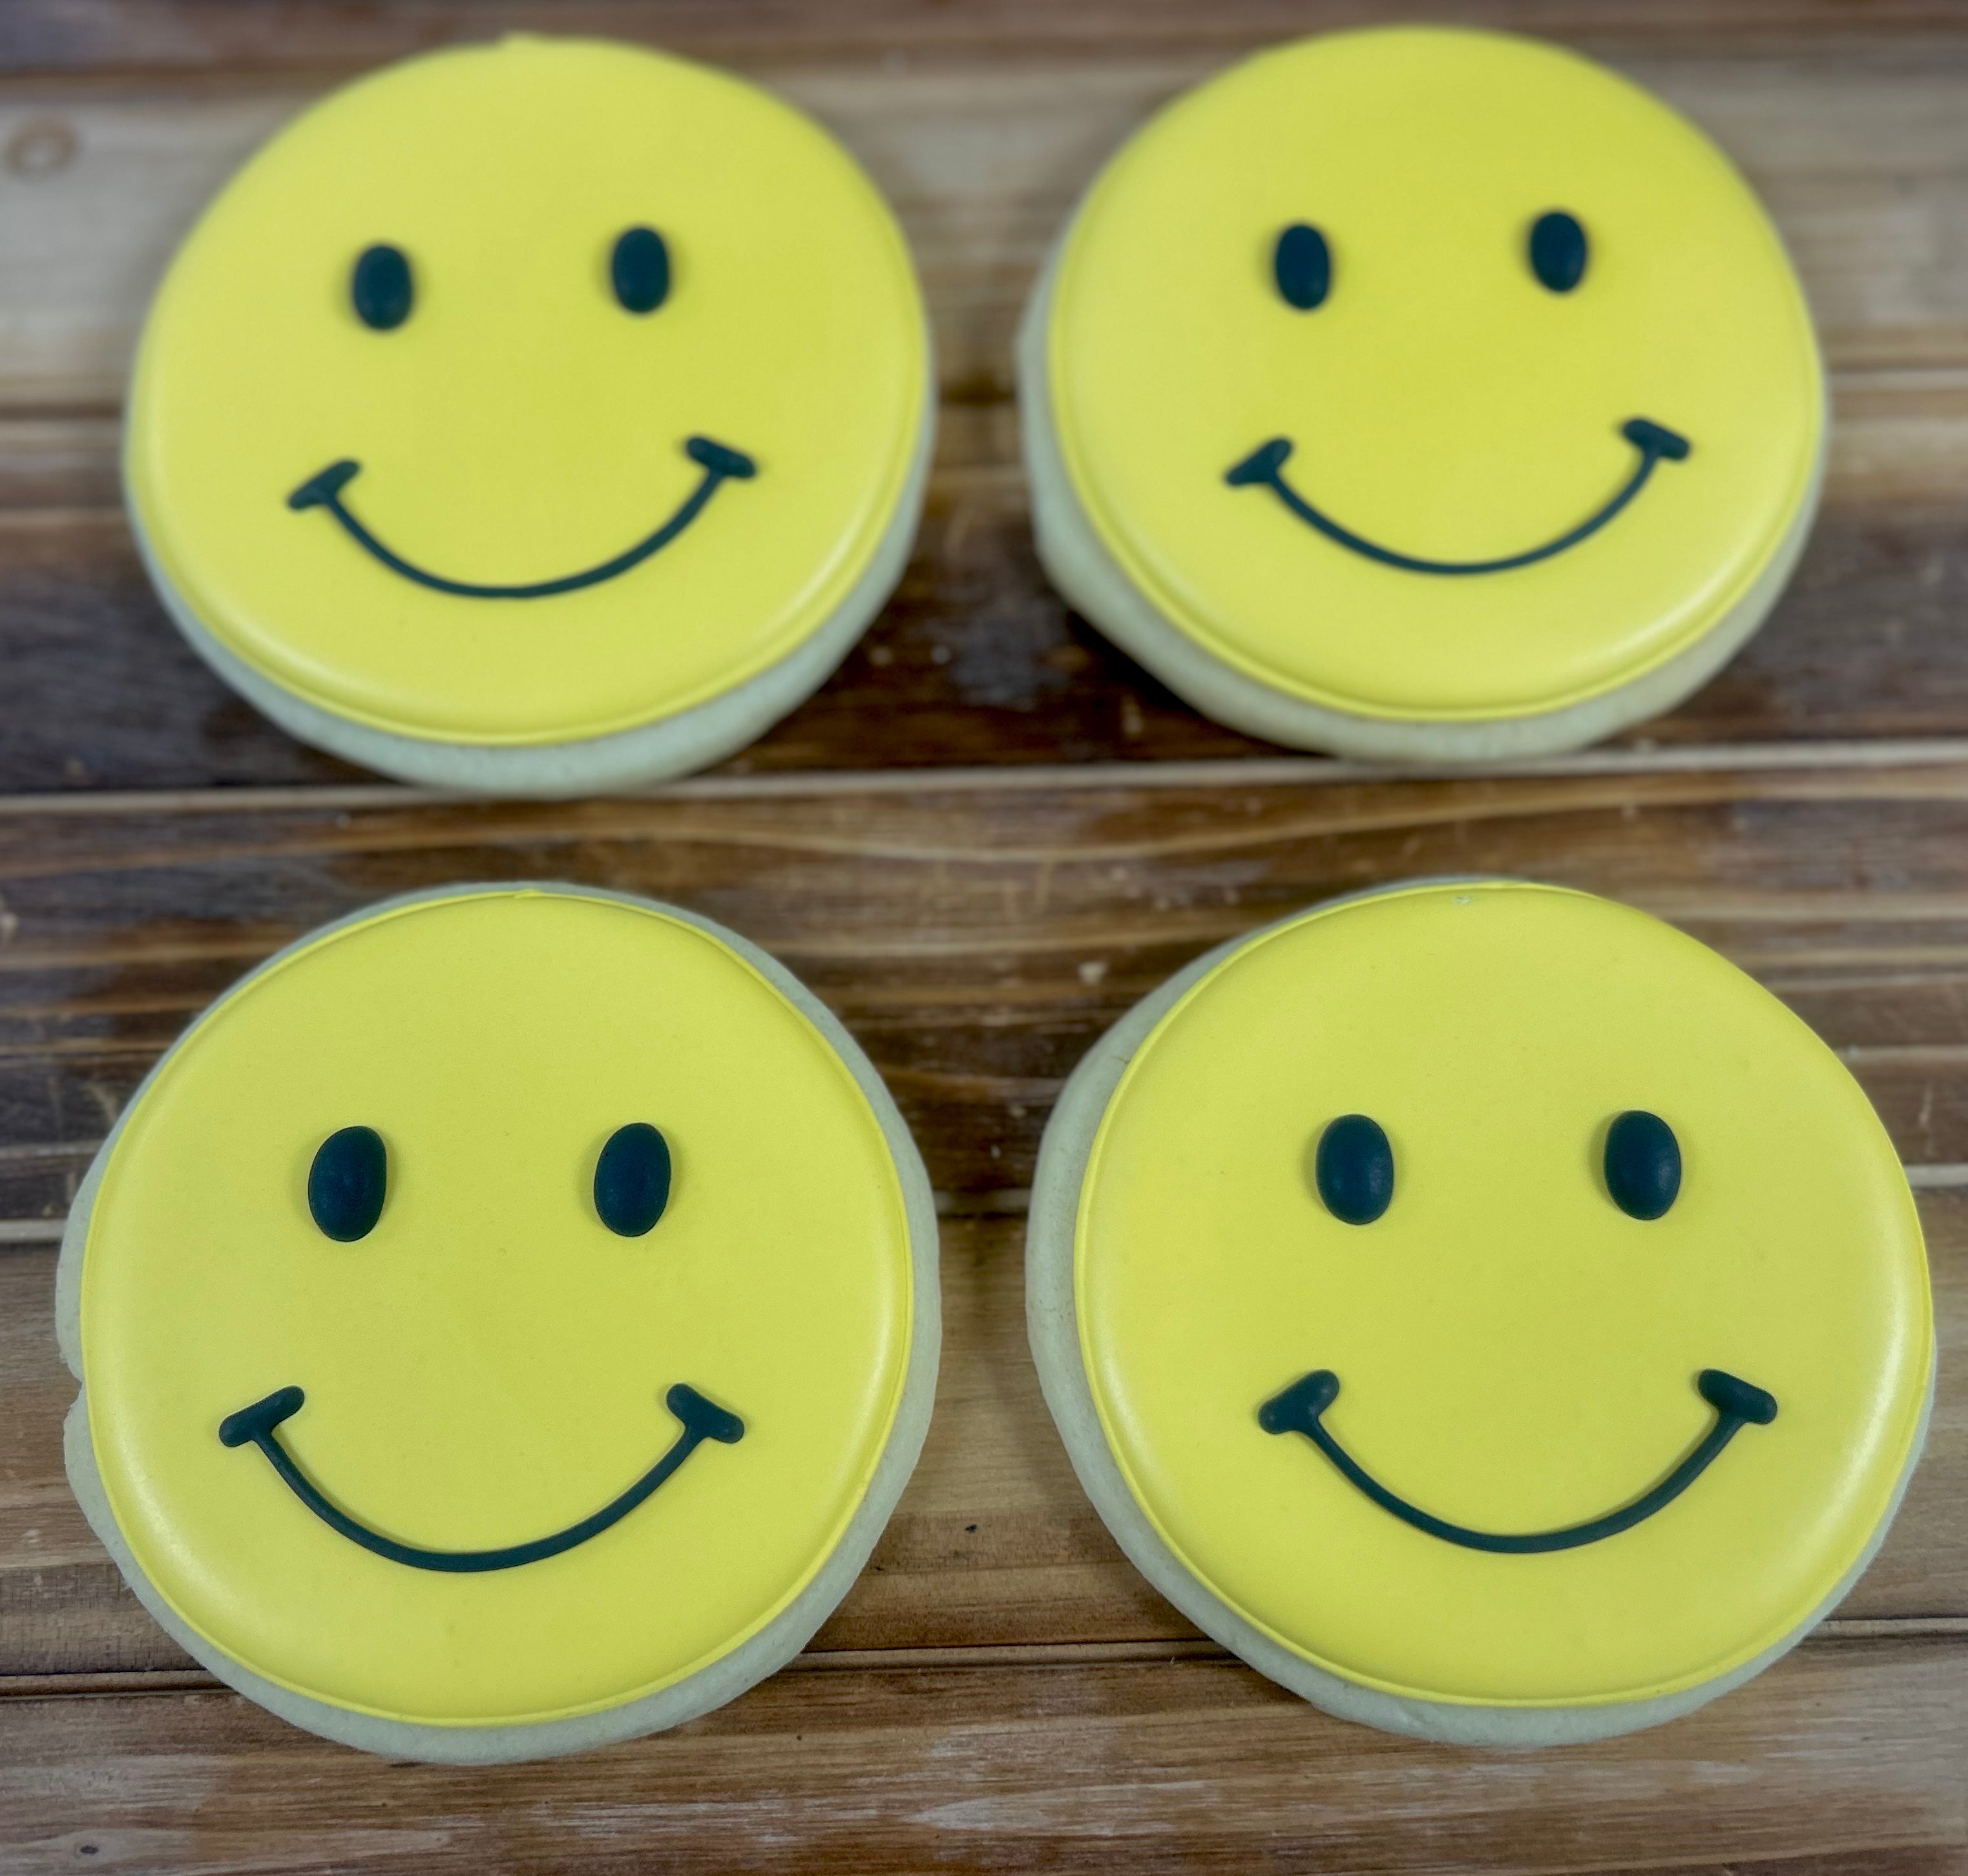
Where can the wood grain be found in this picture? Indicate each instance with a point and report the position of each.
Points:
(1844, 1758)
(976, 660)
(50, 37)
(1863, 157)
(1861, 161)
(976, 937)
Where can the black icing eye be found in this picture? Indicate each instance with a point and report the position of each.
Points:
(1559, 250)
(632, 1179)
(640, 269)
(381, 287)
(1643, 1164)
(1354, 1170)
(1303, 264)
(346, 1183)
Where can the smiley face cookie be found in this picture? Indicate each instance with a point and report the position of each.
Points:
(1421, 394)
(1484, 1309)
(506, 1320)
(536, 417)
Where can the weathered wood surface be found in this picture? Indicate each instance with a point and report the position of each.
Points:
(1861, 148)
(1863, 161)
(1000, 1690)
(975, 660)
(976, 938)
(202, 36)
(1845, 1759)
(978, 934)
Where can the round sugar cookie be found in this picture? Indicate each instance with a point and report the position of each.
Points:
(1421, 394)
(536, 417)
(1484, 1309)
(506, 1320)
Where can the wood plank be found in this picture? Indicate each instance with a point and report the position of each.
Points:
(1845, 1758)
(121, 36)
(976, 659)
(1863, 160)
(977, 939)
(993, 1546)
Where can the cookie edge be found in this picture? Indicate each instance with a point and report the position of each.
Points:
(711, 1687)
(1052, 1327)
(1093, 582)
(650, 753)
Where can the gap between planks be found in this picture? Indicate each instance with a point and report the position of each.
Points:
(1037, 777)
(1028, 1655)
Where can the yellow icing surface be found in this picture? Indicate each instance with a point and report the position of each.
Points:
(1441, 402)
(520, 425)
(488, 1366)
(1515, 1353)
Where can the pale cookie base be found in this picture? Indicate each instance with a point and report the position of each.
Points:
(1053, 1328)
(724, 1679)
(1094, 583)
(653, 752)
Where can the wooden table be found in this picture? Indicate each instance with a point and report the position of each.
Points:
(981, 841)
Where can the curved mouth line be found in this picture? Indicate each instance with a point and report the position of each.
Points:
(701, 1419)
(720, 464)
(1265, 464)
(1737, 1403)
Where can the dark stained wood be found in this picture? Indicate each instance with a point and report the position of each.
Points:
(976, 661)
(192, 36)
(1859, 152)
(977, 937)
(1846, 1757)
(1858, 142)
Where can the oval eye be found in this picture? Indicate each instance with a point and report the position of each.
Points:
(346, 1183)
(381, 287)
(632, 1179)
(1559, 250)
(640, 269)
(1354, 1169)
(1302, 265)
(1643, 1164)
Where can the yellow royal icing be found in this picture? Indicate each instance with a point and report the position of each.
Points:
(490, 1363)
(1515, 1354)
(522, 424)
(1441, 402)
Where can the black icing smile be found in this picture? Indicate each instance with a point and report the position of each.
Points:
(1265, 464)
(1737, 1403)
(702, 1420)
(720, 464)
